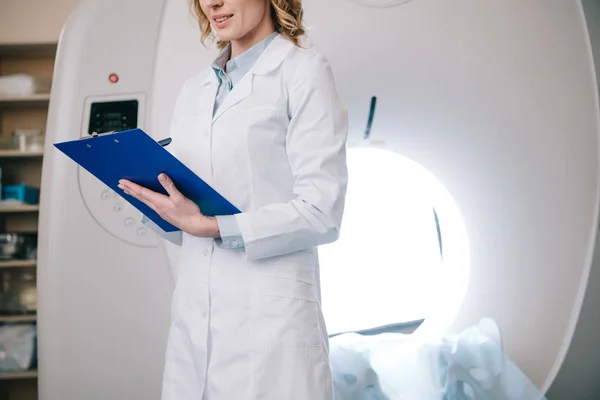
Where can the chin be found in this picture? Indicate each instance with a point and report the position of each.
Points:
(226, 36)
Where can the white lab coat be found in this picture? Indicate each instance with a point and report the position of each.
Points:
(247, 324)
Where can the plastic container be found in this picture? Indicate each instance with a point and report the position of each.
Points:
(18, 347)
(24, 84)
(35, 143)
(22, 192)
(9, 143)
(29, 139)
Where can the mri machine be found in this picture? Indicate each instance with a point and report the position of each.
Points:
(498, 100)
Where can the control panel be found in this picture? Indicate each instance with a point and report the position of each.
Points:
(108, 116)
(111, 211)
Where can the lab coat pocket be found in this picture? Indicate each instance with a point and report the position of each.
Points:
(288, 313)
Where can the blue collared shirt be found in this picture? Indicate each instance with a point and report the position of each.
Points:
(229, 72)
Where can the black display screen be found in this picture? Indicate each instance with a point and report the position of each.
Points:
(113, 116)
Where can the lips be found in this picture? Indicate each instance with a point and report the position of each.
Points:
(222, 18)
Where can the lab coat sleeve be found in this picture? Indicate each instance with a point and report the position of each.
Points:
(316, 148)
(231, 236)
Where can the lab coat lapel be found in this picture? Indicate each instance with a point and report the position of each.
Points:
(273, 55)
(239, 92)
(206, 102)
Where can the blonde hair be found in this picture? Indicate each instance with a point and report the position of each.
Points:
(286, 15)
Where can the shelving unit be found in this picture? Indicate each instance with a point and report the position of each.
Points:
(18, 264)
(28, 100)
(22, 112)
(20, 154)
(17, 318)
(19, 208)
(18, 375)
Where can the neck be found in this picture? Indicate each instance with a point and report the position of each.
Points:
(264, 29)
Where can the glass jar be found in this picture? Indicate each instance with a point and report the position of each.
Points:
(19, 292)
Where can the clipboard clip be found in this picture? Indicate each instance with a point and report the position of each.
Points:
(96, 134)
(164, 142)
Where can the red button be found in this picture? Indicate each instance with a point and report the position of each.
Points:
(114, 78)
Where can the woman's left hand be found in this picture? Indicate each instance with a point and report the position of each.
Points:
(174, 208)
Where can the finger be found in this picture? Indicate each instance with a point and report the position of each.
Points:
(146, 202)
(169, 186)
(161, 208)
(126, 184)
(130, 190)
(142, 193)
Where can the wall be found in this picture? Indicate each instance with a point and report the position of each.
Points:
(33, 21)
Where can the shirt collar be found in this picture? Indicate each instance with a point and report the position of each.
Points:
(244, 61)
(221, 60)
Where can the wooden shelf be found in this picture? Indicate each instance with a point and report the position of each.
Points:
(25, 97)
(19, 208)
(18, 318)
(32, 100)
(17, 263)
(20, 154)
(18, 375)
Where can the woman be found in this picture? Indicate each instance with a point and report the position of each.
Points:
(265, 127)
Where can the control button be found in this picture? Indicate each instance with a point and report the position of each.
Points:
(119, 207)
(235, 243)
(129, 222)
(105, 194)
(142, 232)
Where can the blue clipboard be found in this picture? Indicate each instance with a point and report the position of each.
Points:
(135, 156)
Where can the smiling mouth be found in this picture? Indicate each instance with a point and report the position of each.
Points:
(222, 19)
